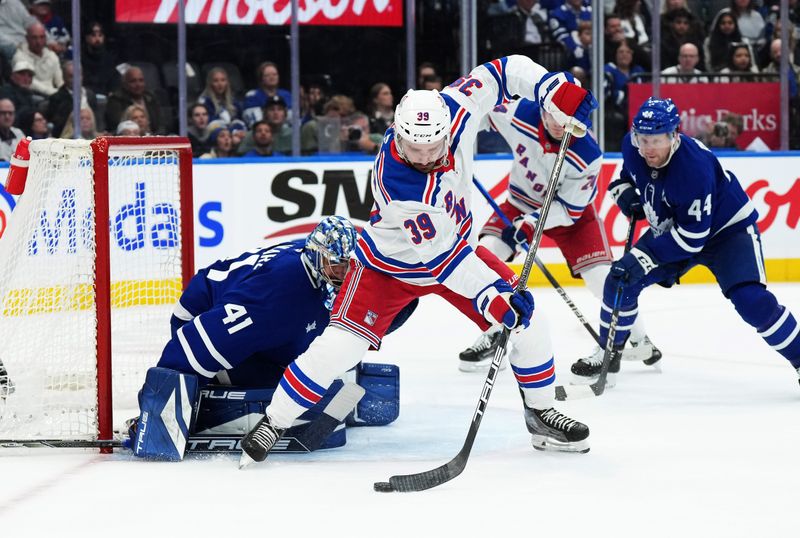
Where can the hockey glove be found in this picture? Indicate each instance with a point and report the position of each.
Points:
(630, 204)
(632, 267)
(570, 105)
(498, 303)
(520, 235)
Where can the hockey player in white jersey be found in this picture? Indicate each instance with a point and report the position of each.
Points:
(572, 222)
(420, 241)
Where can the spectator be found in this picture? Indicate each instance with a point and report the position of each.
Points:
(724, 32)
(740, 61)
(88, 126)
(46, 67)
(220, 140)
(520, 30)
(14, 20)
(720, 135)
(19, 91)
(696, 25)
(581, 76)
(59, 106)
(254, 100)
(750, 22)
(238, 132)
(775, 67)
(218, 98)
(99, 73)
(432, 82)
(262, 141)
(632, 21)
(340, 128)
(198, 123)
(425, 69)
(133, 92)
(614, 34)
(317, 97)
(582, 55)
(34, 124)
(564, 21)
(679, 26)
(138, 115)
(686, 71)
(619, 72)
(9, 135)
(58, 38)
(381, 108)
(275, 114)
(128, 128)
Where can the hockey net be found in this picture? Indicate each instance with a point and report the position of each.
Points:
(97, 251)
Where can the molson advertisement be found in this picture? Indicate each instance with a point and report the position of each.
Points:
(272, 12)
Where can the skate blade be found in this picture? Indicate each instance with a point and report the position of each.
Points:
(611, 380)
(544, 443)
(245, 460)
(483, 366)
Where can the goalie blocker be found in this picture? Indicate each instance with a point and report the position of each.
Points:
(177, 416)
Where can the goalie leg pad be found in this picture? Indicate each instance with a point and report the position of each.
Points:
(167, 403)
(381, 403)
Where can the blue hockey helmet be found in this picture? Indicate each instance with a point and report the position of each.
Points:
(330, 243)
(656, 116)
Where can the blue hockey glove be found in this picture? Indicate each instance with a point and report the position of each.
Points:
(498, 303)
(632, 267)
(630, 204)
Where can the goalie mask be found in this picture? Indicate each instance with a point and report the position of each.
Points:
(328, 249)
(422, 129)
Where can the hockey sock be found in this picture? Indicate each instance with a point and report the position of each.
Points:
(774, 322)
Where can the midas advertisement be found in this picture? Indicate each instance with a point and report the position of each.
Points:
(240, 205)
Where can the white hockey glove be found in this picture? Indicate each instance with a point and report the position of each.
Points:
(498, 303)
(562, 96)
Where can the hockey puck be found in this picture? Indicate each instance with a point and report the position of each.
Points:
(383, 487)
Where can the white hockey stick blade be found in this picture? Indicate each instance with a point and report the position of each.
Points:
(344, 401)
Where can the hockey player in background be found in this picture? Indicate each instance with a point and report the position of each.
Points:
(239, 324)
(698, 215)
(572, 222)
(419, 241)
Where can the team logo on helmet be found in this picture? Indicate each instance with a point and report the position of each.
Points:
(330, 243)
(656, 116)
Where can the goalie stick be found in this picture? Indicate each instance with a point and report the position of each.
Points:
(453, 468)
(542, 267)
(574, 392)
(309, 439)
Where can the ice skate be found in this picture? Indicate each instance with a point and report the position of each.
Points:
(257, 444)
(479, 355)
(643, 351)
(586, 370)
(553, 430)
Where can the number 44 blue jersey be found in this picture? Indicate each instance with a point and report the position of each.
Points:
(687, 202)
(265, 303)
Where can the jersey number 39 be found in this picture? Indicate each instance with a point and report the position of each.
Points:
(420, 227)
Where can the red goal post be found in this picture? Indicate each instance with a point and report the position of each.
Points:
(98, 249)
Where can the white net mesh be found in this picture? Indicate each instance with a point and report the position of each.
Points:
(47, 295)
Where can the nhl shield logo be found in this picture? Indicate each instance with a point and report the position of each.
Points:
(370, 318)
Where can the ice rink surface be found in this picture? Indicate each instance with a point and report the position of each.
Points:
(709, 447)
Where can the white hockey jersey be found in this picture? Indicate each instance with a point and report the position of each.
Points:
(534, 152)
(420, 227)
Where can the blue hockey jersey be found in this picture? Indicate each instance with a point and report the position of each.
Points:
(265, 303)
(687, 202)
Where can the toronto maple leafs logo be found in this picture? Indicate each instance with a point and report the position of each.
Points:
(311, 326)
(657, 225)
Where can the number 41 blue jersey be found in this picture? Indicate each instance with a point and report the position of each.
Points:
(264, 303)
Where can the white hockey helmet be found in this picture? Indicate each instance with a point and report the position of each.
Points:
(422, 117)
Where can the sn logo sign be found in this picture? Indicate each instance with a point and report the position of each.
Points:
(134, 226)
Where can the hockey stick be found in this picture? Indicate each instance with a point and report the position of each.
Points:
(307, 440)
(598, 387)
(542, 267)
(453, 468)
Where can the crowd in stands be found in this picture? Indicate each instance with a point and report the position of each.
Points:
(701, 41)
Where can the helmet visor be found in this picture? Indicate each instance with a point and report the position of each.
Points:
(652, 141)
